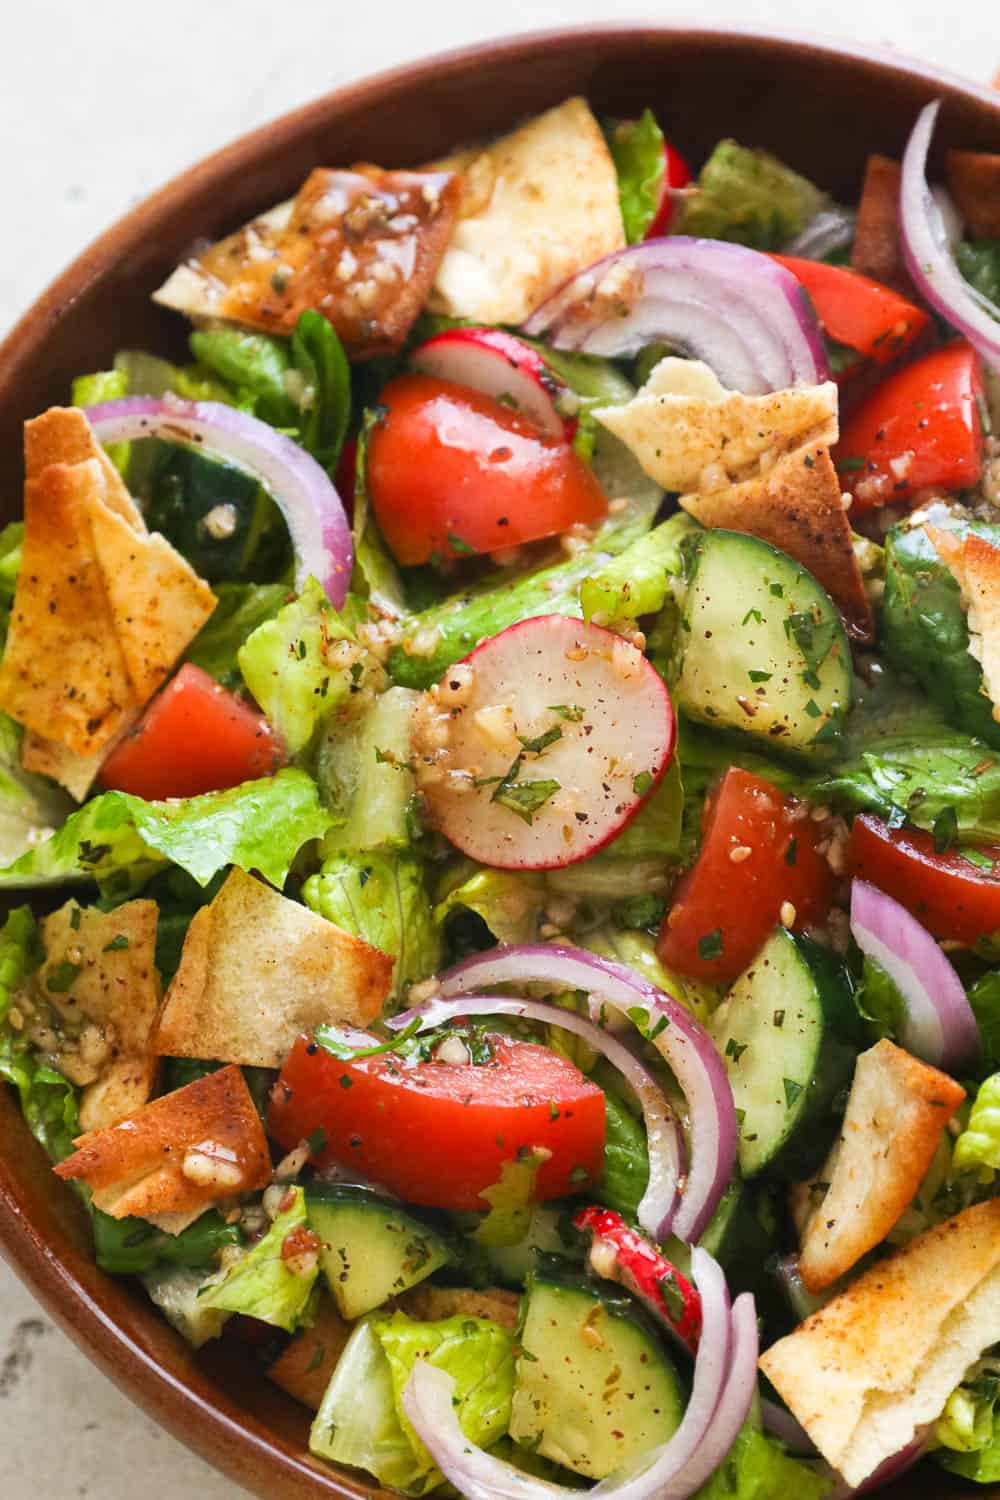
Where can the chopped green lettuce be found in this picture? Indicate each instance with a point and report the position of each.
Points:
(637, 152)
(30, 806)
(364, 773)
(638, 580)
(637, 950)
(361, 1421)
(655, 831)
(241, 608)
(260, 1284)
(509, 902)
(129, 1247)
(626, 1158)
(512, 1202)
(924, 625)
(375, 576)
(977, 1149)
(48, 1100)
(757, 1467)
(120, 841)
(968, 1429)
(381, 898)
(984, 997)
(325, 401)
(175, 1291)
(253, 366)
(305, 662)
(94, 390)
(879, 1002)
(751, 197)
(979, 263)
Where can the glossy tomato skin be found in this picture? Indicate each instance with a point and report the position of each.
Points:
(857, 311)
(438, 1133)
(951, 897)
(723, 910)
(452, 471)
(922, 427)
(194, 737)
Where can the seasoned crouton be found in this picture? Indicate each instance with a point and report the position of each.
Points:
(360, 246)
(797, 506)
(974, 181)
(305, 1366)
(975, 565)
(428, 1304)
(257, 970)
(181, 1153)
(692, 435)
(896, 1112)
(881, 1359)
(877, 251)
(538, 206)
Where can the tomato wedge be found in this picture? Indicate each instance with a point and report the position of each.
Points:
(856, 311)
(439, 1133)
(194, 737)
(758, 852)
(452, 471)
(952, 897)
(921, 427)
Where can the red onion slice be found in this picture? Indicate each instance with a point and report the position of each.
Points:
(782, 1425)
(662, 1131)
(928, 254)
(939, 1025)
(742, 313)
(685, 1046)
(723, 1388)
(300, 488)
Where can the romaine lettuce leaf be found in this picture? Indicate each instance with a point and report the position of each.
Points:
(750, 197)
(979, 263)
(375, 576)
(260, 1284)
(637, 151)
(512, 1202)
(305, 662)
(48, 1100)
(758, 1468)
(30, 806)
(984, 997)
(969, 1427)
(241, 608)
(175, 1291)
(626, 1158)
(509, 902)
(120, 841)
(638, 580)
(130, 1247)
(363, 767)
(253, 366)
(380, 896)
(357, 1423)
(325, 402)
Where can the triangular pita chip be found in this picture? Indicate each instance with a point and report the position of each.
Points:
(158, 603)
(895, 1114)
(975, 565)
(797, 506)
(305, 1366)
(691, 435)
(63, 672)
(77, 773)
(62, 435)
(182, 1152)
(539, 205)
(881, 1359)
(258, 970)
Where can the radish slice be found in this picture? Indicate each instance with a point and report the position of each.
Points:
(543, 744)
(504, 367)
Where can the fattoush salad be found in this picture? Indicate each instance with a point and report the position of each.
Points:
(505, 747)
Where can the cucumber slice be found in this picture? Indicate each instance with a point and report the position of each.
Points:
(372, 1248)
(761, 648)
(363, 772)
(786, 1063)
(593, 1386)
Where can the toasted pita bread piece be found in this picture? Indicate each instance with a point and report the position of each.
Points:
(540, 205)
(974, 181)
(882, 1358)
(98, 993)
(77, 773)
(63, 672)
(63, 435)
(797, 506)
(360, 246)
(258, 970)
(974, 563)
(428, 1304)
(181, 1153)
(305, 1366)
(692, 435)
(877, 251)
(895, 1114)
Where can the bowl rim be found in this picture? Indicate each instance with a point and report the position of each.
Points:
(233, 1440)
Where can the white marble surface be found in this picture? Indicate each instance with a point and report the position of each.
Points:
(99, 103)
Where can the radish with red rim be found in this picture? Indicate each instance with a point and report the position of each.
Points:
(541, 746)
(504, 367)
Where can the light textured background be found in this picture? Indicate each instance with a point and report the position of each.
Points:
(100, 103)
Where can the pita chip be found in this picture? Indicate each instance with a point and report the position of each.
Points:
(974, 563)
(881, 1359)
(691, 435)
(63, 435)
(257, 970)
(538, 206)
(896, 1112)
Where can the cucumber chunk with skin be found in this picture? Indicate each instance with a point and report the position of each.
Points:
(761, 648)
(373, 1249)
(593, 1387)
(780, 1033)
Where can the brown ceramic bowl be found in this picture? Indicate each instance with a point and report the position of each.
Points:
(821, 108)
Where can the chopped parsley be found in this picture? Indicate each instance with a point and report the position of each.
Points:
(569, 711)
(61, 978)
(643, 783)
(710, 944)
(117, 944)
(792, 1090)
(542, 741)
